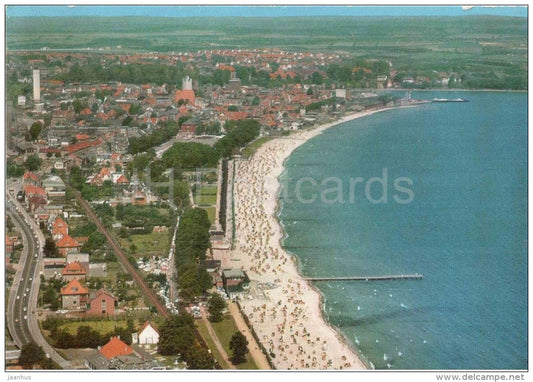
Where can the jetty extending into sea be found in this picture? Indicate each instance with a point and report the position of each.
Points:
(416, 276)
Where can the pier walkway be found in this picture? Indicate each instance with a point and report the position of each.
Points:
(416, 276)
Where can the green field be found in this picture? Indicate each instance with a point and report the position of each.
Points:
(207, 195)
(487, 45)
(224, 330)
(100, 326)
(211, 213)
(151, 244)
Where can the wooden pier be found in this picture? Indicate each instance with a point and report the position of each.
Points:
(416, 276)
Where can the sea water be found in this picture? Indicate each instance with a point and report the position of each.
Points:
(460, 220)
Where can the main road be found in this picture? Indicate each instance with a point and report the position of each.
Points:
(22, 304)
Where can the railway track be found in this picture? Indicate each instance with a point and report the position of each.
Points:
(121, 256)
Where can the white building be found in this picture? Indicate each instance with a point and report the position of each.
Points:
(36, 85)
(148, 335)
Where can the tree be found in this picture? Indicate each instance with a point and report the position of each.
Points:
(215, 306)
(88, 337)
(176, 335)
(317, 78)
(50, 248)
(199, 359)
(239, 346)
(35, 130)
(31, 354)
(33, 163)
(78, 106)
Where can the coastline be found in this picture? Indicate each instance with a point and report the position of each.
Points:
(290, 321)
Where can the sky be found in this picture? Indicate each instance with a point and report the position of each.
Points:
(258, 11)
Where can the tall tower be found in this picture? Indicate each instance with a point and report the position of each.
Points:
(187, 83)
(36, 86)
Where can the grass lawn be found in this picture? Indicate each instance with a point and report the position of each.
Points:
(100, 326)
(250, 150)
(225, 329)
(211, 212)
(206, 196)
(202, 329)
(151, 244)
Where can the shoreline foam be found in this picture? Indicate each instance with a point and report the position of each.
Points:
(290, 322)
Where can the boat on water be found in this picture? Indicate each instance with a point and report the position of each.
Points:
(449, 100)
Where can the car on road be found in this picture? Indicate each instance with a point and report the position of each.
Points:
(25, 317)
(28, 289)
(18, 297)
(17, 320)
(25, 309)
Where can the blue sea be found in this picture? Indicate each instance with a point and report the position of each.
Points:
(438, 189)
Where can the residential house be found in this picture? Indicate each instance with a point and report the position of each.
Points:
(73, 271)
(36, 202)
(147, 335)
(59, 229)
(74, 296)
(102, 303)
(117, 355)
(114, 348)
(31, 178)
(81, 258)
(67, 244)
(30, 190)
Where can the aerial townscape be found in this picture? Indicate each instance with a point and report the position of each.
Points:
(142, 200)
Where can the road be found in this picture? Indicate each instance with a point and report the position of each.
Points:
(256, 353)
(22, 304)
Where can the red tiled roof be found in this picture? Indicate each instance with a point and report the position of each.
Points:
(83, 145)
(115, 348)
(30, 175)
(74, 288)
(101, 292)
(67, 242)
(74, 268)
(82, 137)
(8, 241)
(34, 190)
(185, 95)
(122, 179)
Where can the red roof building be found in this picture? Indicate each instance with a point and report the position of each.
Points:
(102, 303)
(67, 244)
(30, 177)
(185, 95)
(74, 295)
(59, 229)
(115, 348)
(73, 271)
(33, 190)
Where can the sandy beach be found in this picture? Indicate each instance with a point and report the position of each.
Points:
(288, 318)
